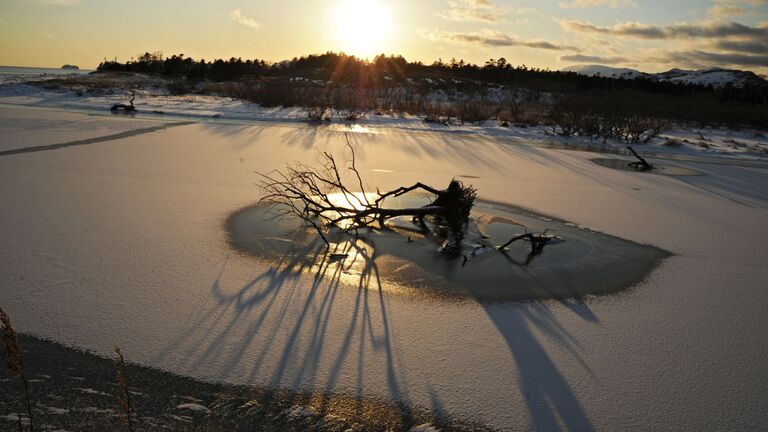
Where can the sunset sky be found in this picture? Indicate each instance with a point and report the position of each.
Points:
(650, 35)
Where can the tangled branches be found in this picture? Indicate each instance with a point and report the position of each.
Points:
(322, 198)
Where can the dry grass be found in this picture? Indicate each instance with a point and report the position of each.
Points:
(14, 363)
(122, 382)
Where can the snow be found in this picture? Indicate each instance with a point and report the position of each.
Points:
(605, 71)
(122, 242)
(57, 411)
(91, 391)
(717, 77)
(95, 410)
(183, 419)
(426, 427)
(22, 127)
(302, 411)
(15, 418)
(194, 407)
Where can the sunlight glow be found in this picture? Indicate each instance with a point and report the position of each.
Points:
(363, 27)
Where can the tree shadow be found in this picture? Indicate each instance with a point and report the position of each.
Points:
(263, 307)
(257, 306)
(550, 400)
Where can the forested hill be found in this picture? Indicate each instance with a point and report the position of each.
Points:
(385, 71)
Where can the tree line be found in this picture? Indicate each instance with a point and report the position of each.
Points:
(382, 70)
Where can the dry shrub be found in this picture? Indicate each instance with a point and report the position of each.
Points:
(124, 399)
(476, 111)
(14, 362)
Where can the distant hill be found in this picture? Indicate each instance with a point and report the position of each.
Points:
(717, 77)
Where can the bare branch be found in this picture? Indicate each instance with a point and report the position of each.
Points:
(321, 199)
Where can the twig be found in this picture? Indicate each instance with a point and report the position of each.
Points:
(122, 382)
(642, 164)
(537, 241)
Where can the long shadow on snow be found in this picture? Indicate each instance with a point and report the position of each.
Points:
(550, 401)
(260, 295)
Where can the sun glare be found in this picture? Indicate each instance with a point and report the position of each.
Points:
(363, 27)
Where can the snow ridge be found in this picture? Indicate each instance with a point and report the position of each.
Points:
(717, 77)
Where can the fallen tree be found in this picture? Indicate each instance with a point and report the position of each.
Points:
(641, 164)
(323, 198)
(538, 241)
(123, 107)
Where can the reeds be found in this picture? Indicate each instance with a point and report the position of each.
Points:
(14, 363)
(122, 382)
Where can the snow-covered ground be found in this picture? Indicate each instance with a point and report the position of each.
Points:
(122, 241)
(154, 102)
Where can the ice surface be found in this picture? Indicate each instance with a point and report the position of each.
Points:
(408, 261)
(123, 242)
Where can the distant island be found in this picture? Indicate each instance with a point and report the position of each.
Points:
(69, 66)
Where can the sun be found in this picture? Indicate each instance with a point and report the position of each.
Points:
(363, 27)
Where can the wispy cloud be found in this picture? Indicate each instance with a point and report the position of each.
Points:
(582, 4)
(580, 58)
(238, 17)
(743, 46)
(749, 2)
(682, 30)
(724, 10)
(702, 44)
(62, 2)
(477, 11)
(490, 38)
(698, 58)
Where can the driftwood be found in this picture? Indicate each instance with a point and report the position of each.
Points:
(537, 241)
(321, 198)
(124, 107)
(537, 246)
(641, 164)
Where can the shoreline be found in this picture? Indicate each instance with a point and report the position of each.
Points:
(570, 144)
(73, 389)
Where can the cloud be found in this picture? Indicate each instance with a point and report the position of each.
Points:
(473, 10)
(699, 58)
(682, 30)
(743, 46)
(241, 19)
(724, 10)
(581, 4)
(749, 2)
(489, 38)
(579, 58)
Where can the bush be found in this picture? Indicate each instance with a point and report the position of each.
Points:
(477, 111)
(179, 87)
(671, 142)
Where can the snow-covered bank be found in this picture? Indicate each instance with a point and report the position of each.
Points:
(154, 101)
(122, 241)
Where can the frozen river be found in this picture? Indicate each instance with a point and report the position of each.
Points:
(112, 232)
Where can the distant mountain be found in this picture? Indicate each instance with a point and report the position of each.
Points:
(70, 67)
(716, 76)
(606, 71)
